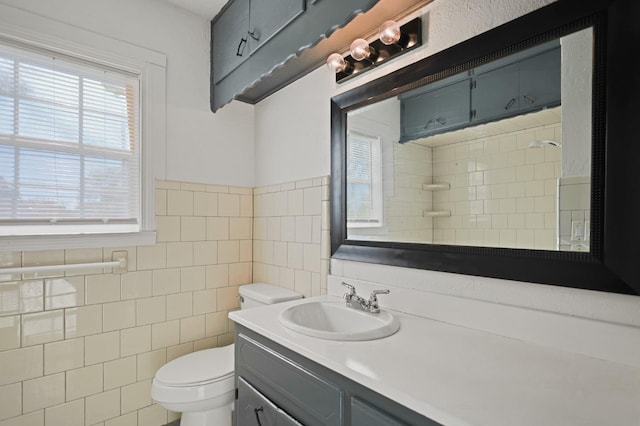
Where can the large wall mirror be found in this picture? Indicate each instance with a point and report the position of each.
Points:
(490, 158)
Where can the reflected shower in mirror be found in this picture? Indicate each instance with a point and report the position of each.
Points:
(498, 155)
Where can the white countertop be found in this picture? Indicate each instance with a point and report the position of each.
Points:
(459, 376)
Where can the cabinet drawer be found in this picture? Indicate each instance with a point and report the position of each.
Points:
(254, 409)
(305, 396)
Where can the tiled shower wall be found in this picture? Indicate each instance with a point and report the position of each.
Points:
(82, 349)
(404, 199)
(503, 193)
(291, 245)
(404, 210)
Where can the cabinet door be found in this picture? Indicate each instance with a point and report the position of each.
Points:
(268, 17)
(540, 81)
(435, 111)
(253, 409)
(416, 117)
(307, 397)
(495, 93)
(230, 38)
(452, 106)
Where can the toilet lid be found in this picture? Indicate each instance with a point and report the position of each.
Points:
(201, 366)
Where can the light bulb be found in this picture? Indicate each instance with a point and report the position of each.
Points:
(360, 49)
(389, 32)
(336, 63)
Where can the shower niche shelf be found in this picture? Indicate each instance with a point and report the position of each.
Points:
(436, 213)
(435, 186)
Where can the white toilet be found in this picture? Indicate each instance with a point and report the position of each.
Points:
(200, 384)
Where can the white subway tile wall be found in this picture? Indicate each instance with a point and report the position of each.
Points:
(291, 242)
(503, 193)
(404, 200)
(83, 349)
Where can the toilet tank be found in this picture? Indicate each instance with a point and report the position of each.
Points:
(261, 294)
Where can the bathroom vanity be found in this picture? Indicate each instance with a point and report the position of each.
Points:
(429, 372)
(279, 385)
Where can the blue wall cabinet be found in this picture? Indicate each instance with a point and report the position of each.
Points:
(526, 82)
(528, 85)
(539, 84)
(260, 46)
(268, 17)
(436, 111)
(245, 26)
(231, 31)
(495, 94)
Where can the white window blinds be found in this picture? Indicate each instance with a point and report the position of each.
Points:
(364, 180)
(69, 146)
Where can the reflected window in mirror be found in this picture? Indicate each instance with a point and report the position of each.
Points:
(364, 177)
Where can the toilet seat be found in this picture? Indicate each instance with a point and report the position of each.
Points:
(198, 368)
(189, 394)
(195, 377)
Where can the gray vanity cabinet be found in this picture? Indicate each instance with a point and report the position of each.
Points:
(435, 111)
(254, 409)
(288, 385)
(364, 414)
(276, 386)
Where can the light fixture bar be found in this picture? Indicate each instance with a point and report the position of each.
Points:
(410, 38)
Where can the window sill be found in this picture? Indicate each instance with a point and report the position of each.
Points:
(56, 242)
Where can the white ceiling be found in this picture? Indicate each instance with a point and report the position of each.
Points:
(205, 8)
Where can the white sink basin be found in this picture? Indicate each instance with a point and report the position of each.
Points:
(335, 321)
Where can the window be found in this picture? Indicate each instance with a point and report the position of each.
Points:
(82, 136)
(69, 146)
(364, 181)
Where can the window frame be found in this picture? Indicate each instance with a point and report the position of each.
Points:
(98, 49)
(377, 194)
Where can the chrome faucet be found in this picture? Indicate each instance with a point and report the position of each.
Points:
(357, 302)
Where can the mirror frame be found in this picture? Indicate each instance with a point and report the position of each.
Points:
(610, 265)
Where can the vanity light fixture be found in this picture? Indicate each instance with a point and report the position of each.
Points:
(393, 40)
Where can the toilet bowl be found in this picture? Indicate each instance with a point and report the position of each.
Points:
(200, 385)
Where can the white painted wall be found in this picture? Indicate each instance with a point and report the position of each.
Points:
(201, 146)
(293, 125)
(293, 142)
(292, 131)
(577, 61)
